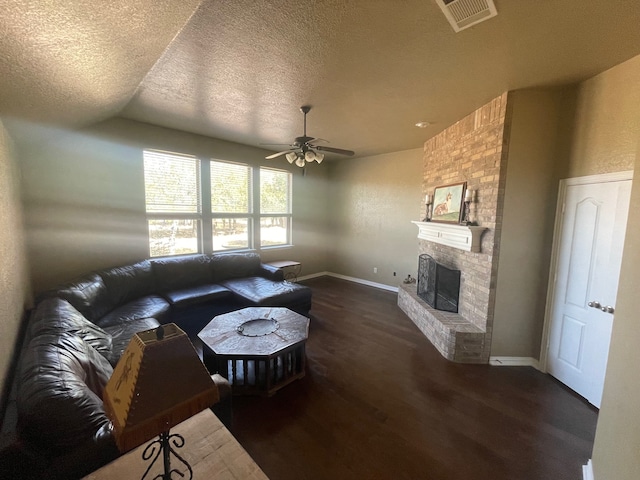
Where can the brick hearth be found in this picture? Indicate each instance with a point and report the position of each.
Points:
(456, 338)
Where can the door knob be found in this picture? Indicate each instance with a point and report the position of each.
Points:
(595, 304)
(608, 309)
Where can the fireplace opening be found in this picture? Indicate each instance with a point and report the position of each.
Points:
(438, 285)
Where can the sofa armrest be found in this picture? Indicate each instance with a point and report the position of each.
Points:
(271, 272)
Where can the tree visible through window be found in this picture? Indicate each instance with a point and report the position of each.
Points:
(238, 212)
(173, 202)
(275, 207)
(230, 205)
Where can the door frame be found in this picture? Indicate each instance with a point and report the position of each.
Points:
(557, 228)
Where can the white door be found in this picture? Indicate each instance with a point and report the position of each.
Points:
(589, 252)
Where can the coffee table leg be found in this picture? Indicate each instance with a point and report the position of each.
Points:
(219, 364)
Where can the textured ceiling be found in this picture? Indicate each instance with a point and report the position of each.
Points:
(80, 61)
(239, 70)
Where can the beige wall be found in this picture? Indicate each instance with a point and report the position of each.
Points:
(607, 122)
(14, 290)
(617, 443)
(84, 205)
(84, 198)
(607, 139)
(373, 202)
(533, 171)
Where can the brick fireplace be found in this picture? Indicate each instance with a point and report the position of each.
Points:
(473, 150)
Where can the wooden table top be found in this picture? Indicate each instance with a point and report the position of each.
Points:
(209, 448)
(284, 263)
(222, 337)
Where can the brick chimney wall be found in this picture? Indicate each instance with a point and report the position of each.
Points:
(473, 150)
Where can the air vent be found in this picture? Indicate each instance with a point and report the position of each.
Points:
(465, 13)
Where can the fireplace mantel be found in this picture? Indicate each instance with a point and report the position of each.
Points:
(457, 236)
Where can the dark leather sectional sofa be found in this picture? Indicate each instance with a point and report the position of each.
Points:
(77, 333)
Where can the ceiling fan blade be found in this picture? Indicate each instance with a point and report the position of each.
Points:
(335, 150)
(315, 140)
(269, 157)
(303, 140)
(274, 144)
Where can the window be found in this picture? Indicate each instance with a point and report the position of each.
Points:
(173, 202)
(230, 205)
(197, 205)
(275, 207)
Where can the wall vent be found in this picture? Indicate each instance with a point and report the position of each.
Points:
(465, 13)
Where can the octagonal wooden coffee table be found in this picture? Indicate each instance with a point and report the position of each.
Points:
(258, 349)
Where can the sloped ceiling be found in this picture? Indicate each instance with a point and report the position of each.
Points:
(74, 62)
(239, 70)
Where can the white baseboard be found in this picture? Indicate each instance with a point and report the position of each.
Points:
(313, 275)
(587, 471)
(514, 362)
(364, 282)
(351, 279)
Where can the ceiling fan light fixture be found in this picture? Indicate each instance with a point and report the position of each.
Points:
(300, 162)
(291, 156)
(309, 155)
(319, 157)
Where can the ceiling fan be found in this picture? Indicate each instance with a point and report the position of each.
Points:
(304, 148)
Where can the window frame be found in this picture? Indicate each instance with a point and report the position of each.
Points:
(206, 215)
(230, 215)
(288, 214)
(168, 215)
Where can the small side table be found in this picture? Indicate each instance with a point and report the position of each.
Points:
(291, 269)
(209, 447)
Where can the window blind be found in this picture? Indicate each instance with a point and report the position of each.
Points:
(230, 187)
(171, 183)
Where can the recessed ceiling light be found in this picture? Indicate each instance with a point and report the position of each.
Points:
(423, 124)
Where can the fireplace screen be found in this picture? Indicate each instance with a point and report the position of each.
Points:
(438, 285)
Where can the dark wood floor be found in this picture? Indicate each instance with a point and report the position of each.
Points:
(379, 402)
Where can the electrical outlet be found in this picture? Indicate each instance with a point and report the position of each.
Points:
(375, 269)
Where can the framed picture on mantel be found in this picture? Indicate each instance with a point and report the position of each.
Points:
(447, 203)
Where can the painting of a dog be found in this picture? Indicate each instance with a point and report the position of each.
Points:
(444, 207)
(447, 203)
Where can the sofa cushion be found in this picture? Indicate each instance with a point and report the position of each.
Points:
(56, 316)
(59, 394)
(122, 334)
(88, 294)
(262, 291)
(199, 294)
(144, 307)
(128, 282)
(234, 265)
(175, 273)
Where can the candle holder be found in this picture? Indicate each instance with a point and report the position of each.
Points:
(468, 198)
(428, 203)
